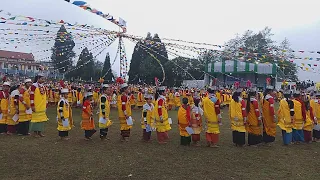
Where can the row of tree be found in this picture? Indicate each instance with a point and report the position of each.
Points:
(251, 46)
(87, 67)
(150, 52)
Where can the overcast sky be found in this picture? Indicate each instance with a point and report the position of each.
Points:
(207, 21)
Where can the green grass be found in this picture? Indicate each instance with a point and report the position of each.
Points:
(49, 158)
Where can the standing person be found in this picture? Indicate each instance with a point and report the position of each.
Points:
(114, 99)
(79, 97)
(87, 123)
(308, 126)
(148, 118)
(299, 118)
(132, 99)
(64, 115)
(315, 104)
(211, 108)
(13, 111)
(104, 112)
(177, 101)
(286, 117)
(196, 121)
(171, 102)
(161, 116)
(269, 119)
(140, 99)
(124, 112)
(238, 117)
(4, 96)
(25, 111)
(184, 121)
(254, 122)
(38, 105)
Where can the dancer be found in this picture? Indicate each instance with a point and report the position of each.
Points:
(286, 116)
(211, 108)
(124, 112)
(148, 123)
(238, 117)
(87, 123)
(184, 121)
(64, 115)
(196, 121)
(38, 99)
(25, 111)
(161, 116)
(104, 112)
(254, 122)
(269, 118)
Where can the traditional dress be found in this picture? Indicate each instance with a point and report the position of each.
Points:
(64, 118)
(132, 100)
(4, 96)
(13, 112)
(238, 117)
(79, 99)
(315, 104)
(171, 102)
(211, 113)
(299, 119)
(177, 101)
(308, 126)
(162, 114)
(184, 121)
(104, 115)
(269, 124)
(148, 121)
(285, 117)
(196, 123)
(140, 99)
(124, 111)
(87, 123)
(25, 112)
(39, 104)
(95, 96)
(254, 121)
(114, 100)
(51, 96)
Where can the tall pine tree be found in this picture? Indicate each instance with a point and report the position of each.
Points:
(144, 67)
(62, 51)
(107, 71)
(85, 66)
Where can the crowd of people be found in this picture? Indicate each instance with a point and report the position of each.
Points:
(23, 111)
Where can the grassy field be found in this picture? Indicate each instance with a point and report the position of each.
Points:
(49, 158)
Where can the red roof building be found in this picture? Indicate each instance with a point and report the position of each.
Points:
(17, 61)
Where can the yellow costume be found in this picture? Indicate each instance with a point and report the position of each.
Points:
(210, 116)
(64, 113)
(39, 102)
(4, 107)
(284, 118)
(104, 113)
(122, 119)
(165, 126)
(236, 117)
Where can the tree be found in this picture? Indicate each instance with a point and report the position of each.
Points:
(106, 70)
(97, 67)
(260, 48)
(285, 65)
(85, 66)
(62, 51)
(145, 67)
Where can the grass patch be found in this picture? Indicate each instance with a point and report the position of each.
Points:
(49, 158)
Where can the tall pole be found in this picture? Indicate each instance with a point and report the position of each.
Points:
(120, 47)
